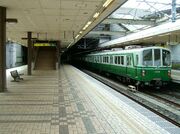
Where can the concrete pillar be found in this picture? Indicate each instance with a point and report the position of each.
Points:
(29, 42)
(2, 49)
(173, 11)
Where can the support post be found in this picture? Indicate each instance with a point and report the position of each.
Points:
(29, 42)
(173, 11)
(3, 85)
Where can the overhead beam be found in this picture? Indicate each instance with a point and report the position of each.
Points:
(161, 30)
(118, 33)
(128, 21)
(29, 42)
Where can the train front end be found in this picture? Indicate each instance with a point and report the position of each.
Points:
(156, 67)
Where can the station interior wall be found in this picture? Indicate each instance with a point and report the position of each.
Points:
(16, 55)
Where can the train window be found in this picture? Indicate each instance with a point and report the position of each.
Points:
(115, 59)
(147, 57)
(108, 59)
(122, 60)
(128, 60)
(119, 59)
(166, 58)
(111, 60)
(103, 59)
(137, 59)
(157, 57)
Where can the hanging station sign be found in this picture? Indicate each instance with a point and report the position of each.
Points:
(44, 44)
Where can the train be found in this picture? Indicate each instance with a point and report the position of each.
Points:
(149, 66)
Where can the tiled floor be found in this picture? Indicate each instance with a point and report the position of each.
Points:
(67, 102)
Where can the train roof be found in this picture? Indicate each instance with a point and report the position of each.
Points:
(127, 51)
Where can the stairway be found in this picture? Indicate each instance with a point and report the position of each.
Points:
(46, 59)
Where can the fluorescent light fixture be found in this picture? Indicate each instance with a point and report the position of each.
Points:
(69, 45)
(96, 15)
(107, 3)
(80, 32)
(84, 28)
(164, 34)
(89, 22)
(77, 36)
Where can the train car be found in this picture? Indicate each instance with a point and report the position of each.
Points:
(143, 66)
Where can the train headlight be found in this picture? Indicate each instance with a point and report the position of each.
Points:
(143, 72)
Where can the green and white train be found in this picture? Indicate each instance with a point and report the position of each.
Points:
(143, 66)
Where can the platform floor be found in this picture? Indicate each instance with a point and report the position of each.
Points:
(68, 101)
(175, 75)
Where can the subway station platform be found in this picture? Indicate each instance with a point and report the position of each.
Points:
(175, 75)
(68, 101)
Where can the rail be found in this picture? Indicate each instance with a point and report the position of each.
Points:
(136, 96)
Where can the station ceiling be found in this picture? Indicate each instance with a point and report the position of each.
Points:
(54, 19)
(65, 20)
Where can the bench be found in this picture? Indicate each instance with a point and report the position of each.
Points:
(16, 76)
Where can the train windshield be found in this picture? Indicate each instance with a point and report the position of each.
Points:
(157, 57)
(166, 58)
(152, 57)
(147, 57)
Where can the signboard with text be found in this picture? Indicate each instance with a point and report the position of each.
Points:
(43, 44)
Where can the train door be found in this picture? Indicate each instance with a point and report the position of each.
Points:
(136, 62)
(111, 63)
(129, 66)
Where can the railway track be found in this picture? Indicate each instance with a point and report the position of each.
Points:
(161, 108)
(161, 98)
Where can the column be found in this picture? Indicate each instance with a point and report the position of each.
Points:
(2, 49)
(29, 42)
(173, 11)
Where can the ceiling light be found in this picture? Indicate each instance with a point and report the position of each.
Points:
(96, 15)
(89, 22)
(77, 36)
(107, 3)
(80, 32)
(84, 28)
(11, 20)
(69, 45)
